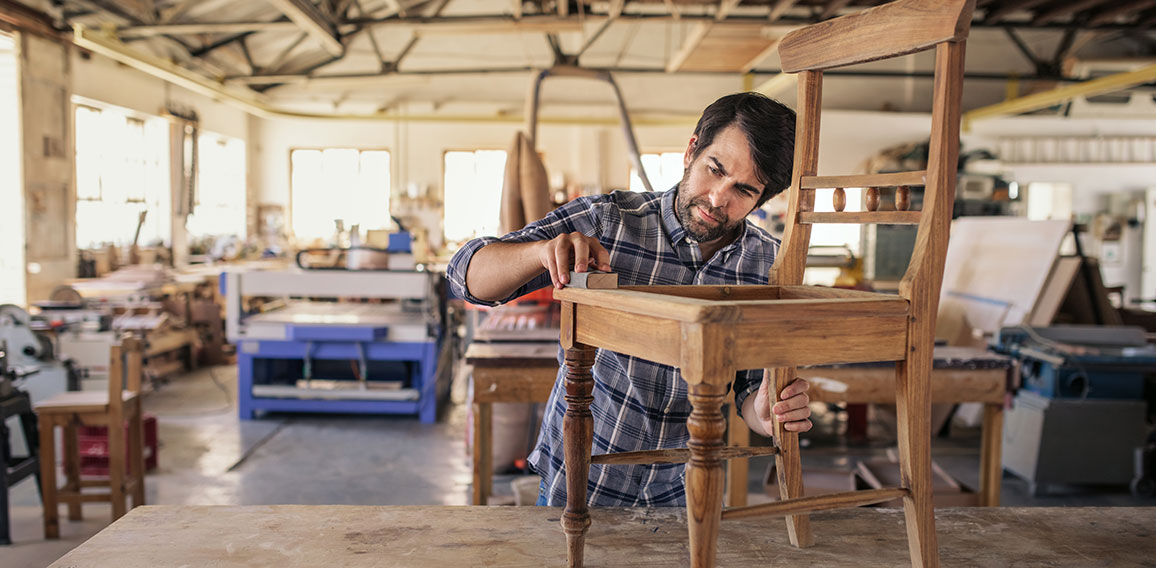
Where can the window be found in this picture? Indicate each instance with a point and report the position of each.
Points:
(122, 169)
(343, 184)
(473, 193)
(220, 195)
(831, 234)
(663, 170)
(11, 189)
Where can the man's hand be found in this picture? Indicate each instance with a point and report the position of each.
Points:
(584, 253)
(793, 409)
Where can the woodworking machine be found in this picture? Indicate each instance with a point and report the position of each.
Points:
(308, 349)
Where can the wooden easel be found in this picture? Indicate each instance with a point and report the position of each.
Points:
(710, 332)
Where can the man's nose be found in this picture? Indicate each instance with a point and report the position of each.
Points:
(718, 196)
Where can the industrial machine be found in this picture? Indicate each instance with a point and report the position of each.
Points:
(1081, 414)
(301, 349)
(30, 354)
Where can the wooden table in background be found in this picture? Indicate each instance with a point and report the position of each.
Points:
(960, 374)
(504, 372)
(355, 537)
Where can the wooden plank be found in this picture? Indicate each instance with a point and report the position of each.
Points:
(792, 342)
(792, 260)
(883, 306)
(821, 292)
(648, 337)
(506, 355)
(890, 30)
(594, 280)
(877, 385)
(816, 503)
(515, 384)
(738, 470)
(642, 303)
(712, 292)
(861, 217)
(866, 180)
(680, 455)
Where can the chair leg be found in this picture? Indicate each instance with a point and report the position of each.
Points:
(116, 466)
(789, 466)
(71, 455)
(704, 472)
(577, 437)
(48, 477)
(913, 406)
(136, 453)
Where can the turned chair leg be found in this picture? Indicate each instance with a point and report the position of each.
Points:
(577, 437)
(705, 479)
(788, 465)
(913, 406)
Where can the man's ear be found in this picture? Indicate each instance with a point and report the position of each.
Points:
(688, 156)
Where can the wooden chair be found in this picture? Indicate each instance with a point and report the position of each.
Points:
(710, 332)
(121, 404)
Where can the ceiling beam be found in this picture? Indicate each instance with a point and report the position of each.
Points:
(1065, 9)
(697, 34)
(1110, 14)
(310, 19)
(780, 8)
(207, 28)
(615, 8)
(754, 62)
(284, 55)
(778, 84)
(833, 8)
(724, 9)
(1007, 8)
(1045, 99)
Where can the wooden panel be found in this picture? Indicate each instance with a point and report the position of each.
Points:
(528, 354)
(877, 385)
(648, 337)
(816, 503)
(886, 31)
(514, 384)
(756, 311)
(636, 302)
(819, 292)
(866, 180)
(725, 48)
(817, 341)
(861, 217)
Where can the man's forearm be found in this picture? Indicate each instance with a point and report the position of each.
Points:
(498, 269)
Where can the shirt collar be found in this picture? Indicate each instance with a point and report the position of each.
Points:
(674, 228)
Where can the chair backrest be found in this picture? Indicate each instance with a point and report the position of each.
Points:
(126, 365)
(891, 30)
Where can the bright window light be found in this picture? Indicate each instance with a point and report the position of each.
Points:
(220, 203)
(122, 169)
(12, 289)
(343, 184)
(663, 170)
(473, 193)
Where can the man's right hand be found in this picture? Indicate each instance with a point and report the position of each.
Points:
(583, 252)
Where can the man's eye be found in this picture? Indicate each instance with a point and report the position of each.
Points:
(713, 170)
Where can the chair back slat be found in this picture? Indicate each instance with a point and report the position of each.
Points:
(891, 30)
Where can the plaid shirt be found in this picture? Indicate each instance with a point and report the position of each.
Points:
(638, 404)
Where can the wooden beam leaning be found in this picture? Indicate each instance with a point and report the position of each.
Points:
(307, 17)
(816, 503)
(679, 455)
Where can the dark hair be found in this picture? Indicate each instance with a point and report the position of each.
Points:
(770, 129)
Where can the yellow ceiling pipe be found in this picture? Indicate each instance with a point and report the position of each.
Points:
(1045, 99)
(259, 105)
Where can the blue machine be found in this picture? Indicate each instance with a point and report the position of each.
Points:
(1080, 361)
(339, 357)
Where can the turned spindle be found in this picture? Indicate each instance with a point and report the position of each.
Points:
(873, 199)
(902, 198)
(840, 199)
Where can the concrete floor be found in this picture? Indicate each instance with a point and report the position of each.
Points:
(208, 456)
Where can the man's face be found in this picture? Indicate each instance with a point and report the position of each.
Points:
(719, 188)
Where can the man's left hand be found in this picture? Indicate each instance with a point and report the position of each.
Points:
(792, 409)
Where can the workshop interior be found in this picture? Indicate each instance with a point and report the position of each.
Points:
(226, 285)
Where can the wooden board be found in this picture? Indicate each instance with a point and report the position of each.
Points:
(296, 535)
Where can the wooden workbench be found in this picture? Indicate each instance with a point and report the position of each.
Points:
(504, 372)
(296, 535)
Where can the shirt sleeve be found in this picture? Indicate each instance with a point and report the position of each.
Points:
(580, 215)
(746, 383)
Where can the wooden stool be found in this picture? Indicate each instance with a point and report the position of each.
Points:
(112, 409)
(711, 332)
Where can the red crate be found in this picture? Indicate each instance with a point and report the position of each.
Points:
(92, 442)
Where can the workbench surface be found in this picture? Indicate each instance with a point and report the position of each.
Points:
(297, 535)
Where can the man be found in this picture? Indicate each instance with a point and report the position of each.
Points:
(696, 233)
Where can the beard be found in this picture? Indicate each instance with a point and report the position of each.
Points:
(701, 231)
